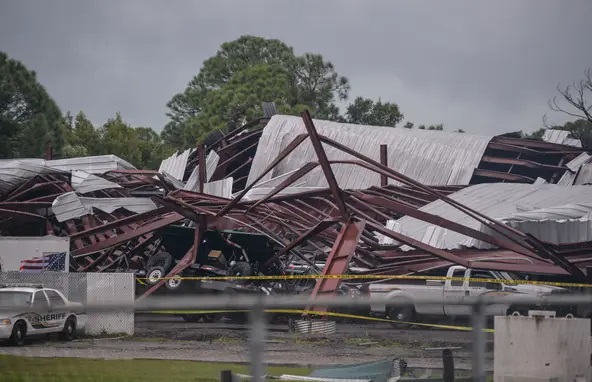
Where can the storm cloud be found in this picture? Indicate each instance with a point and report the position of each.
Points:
(484, 67)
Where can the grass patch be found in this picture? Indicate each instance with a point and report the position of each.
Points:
(15, 368)
(228, 340)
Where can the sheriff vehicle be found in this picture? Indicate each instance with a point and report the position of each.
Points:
(30, 310)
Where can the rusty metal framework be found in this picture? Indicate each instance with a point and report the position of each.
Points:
(337, 226)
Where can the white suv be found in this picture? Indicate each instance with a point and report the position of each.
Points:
(29, 310)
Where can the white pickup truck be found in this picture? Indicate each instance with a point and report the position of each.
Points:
(503, 284)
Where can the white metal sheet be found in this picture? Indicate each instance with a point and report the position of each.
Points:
(431, 157)
(496, 200)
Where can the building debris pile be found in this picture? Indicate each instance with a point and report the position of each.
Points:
(284, 193)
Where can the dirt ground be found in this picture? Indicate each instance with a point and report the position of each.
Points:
(169, 337)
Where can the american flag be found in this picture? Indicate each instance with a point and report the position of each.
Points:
(47, 262)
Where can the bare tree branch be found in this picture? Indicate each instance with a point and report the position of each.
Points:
(576, 95)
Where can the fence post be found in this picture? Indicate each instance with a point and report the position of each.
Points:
(479, 344)
(448, 361)
(258, 334)
(226, 376)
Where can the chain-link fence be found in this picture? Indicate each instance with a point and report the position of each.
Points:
(259, 336)
(88, 288)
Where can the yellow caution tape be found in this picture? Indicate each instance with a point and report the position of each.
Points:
(374, 277)
(332, 314)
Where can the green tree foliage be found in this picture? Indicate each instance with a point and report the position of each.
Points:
(364, 111)
(82, 139)
(231, 85)
(140, 146)
(439, 127)
(30, 120)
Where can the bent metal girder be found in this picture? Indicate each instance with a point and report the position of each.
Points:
(308, 219)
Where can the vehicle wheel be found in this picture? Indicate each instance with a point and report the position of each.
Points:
(161, 259)
(69, 331)
(19, 331)
(173, 283)
(403, 313)
(154, 275)
(240, 268)
(516, 311)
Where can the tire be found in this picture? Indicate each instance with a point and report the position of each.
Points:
(19, 332)
(69, 331)
(173, 283)
(516, 310)
(240, 268)
(404, 313)
(161, 259)
(154, 275)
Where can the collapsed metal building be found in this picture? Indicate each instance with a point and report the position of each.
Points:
(363, 199)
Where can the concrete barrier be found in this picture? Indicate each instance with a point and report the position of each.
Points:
(529, 349)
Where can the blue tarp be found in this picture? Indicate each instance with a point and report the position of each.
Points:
(377, 371)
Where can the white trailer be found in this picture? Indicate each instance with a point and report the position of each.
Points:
(13, 250)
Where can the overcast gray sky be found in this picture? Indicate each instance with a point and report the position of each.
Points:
(486, 67)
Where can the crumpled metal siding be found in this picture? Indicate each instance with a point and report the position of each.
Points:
(566, 211)
(221, 188)
(584, 176)
(14, 172)
(575, 163)
(564, 231)
(84, 182)
(567, 179)
(71, 206)
(175, 164)
(498, 200)
(560, 137)
(259, 192)
(430, 157)
(211, 163)
(98, 164)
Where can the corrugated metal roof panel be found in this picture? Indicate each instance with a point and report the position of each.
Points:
(431, 157)
(560, 137)
(566, 211)
(584, 176)
(565, 231)
(496, 200)
(221, 188)
(259, 192)
(575, 163)
(84, 182)
(14, 172)
(98, 164)
(572, 142)
(555, 136)
(211, 163)
(175, 164)
(567, 179)
(71, 206)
